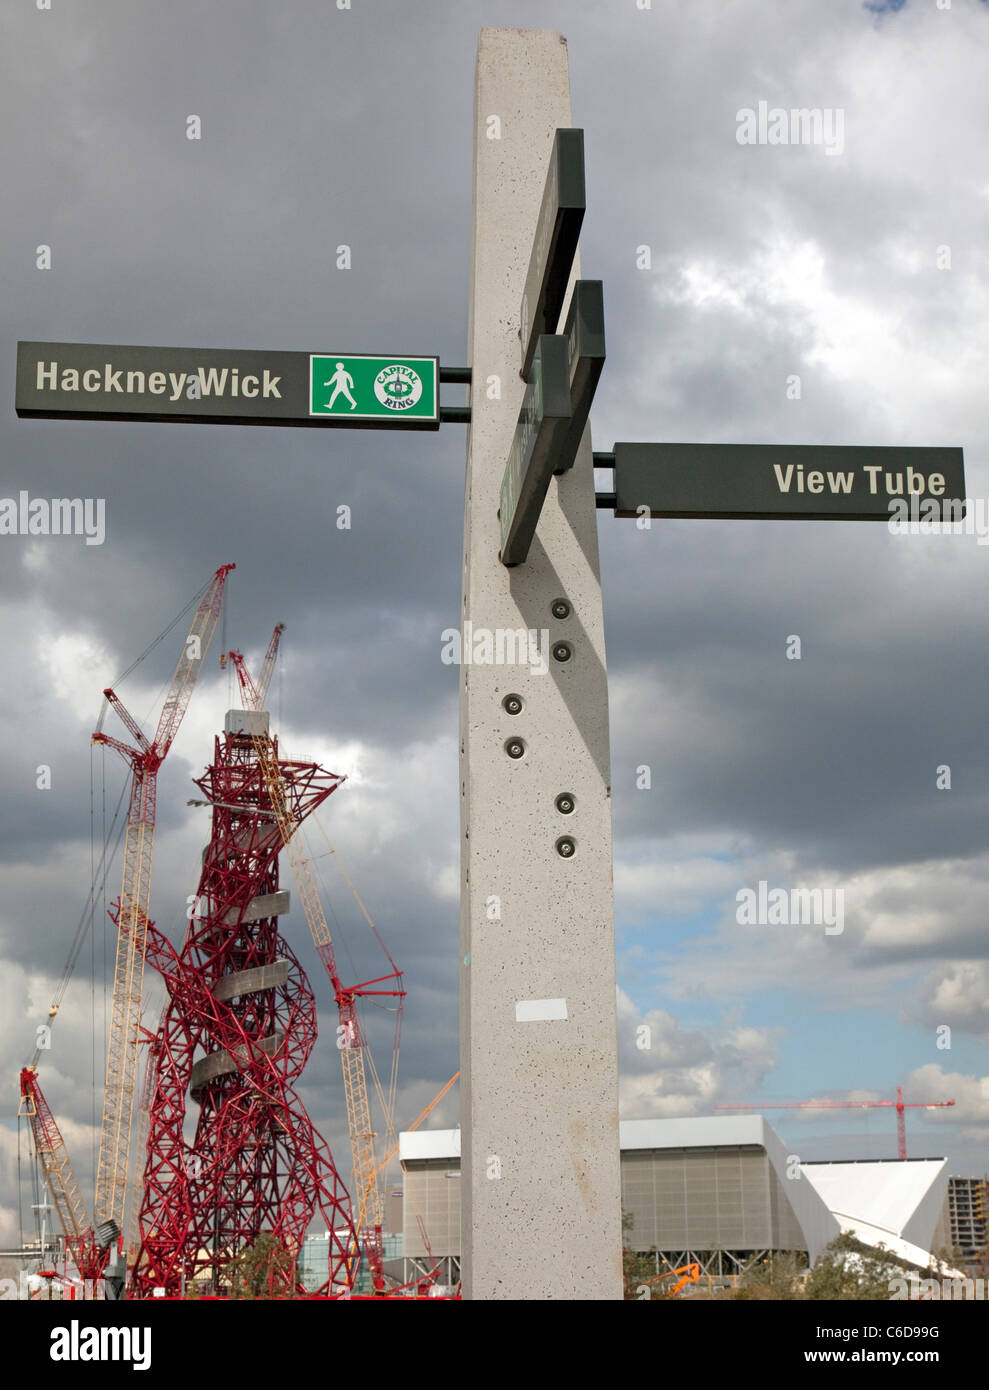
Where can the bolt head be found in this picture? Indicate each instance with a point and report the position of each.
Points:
(560, 609)
(515, 748)
(562, 651)
(565, 804)
(565, 847)
(512, 704)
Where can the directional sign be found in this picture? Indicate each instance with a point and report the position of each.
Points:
(555, 243)
(374, 388)
(789, 482)
(585, 355)
(543, 424)
(92, 381)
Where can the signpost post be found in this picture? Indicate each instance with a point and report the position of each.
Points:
(541, 1192)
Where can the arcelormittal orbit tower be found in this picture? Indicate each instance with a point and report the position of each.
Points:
(236, 1032)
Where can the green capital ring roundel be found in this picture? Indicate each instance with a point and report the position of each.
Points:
(373, 388)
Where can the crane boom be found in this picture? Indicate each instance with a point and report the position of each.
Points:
(899, 1105)
(130, 913)
(190, 662)
(60, 1177)
(395, 1147)
(270, 657)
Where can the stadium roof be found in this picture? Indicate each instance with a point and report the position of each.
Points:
(897, 1203)
(703, 1131)
(423, 1144)
(695, 1132)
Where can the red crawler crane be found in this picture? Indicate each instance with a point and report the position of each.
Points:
(900, 1105)
(60, 1177)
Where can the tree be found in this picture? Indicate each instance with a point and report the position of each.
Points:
(847, 1269)
(265, 1269)
(638, 1268)
(776, 1277)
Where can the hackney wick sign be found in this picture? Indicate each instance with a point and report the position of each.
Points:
(92, 381)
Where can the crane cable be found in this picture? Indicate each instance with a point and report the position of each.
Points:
(86, 917)
(97, 888)
(386, 1100)
(20, 1183)
(193, 603)
(388, 1105)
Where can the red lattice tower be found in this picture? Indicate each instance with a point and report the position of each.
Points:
(234, 1037)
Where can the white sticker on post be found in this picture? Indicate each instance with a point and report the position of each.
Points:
(539, 1010)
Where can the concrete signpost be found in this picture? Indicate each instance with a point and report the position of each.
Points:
(541, 1214)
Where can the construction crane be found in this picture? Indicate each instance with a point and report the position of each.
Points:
(351, 1042)
(60, 1178)
(689, 1274)
(130, 912)
(383, 1164)
(421, 1283)
(900, 1105)
(142, 1127)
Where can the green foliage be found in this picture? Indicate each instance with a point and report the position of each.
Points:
(778, 1276)
(847, 1269)
(262, 1270)
(638, 1268)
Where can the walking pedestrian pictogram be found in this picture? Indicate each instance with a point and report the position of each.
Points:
(341, 381)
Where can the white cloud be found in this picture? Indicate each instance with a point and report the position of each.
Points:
(668, 1070)
(959, 996)
(446, 883)
(970, 1094)
(671, 886)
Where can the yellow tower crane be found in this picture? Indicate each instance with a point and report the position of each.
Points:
(130, 912)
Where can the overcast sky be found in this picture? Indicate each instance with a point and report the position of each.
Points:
(323, 127)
